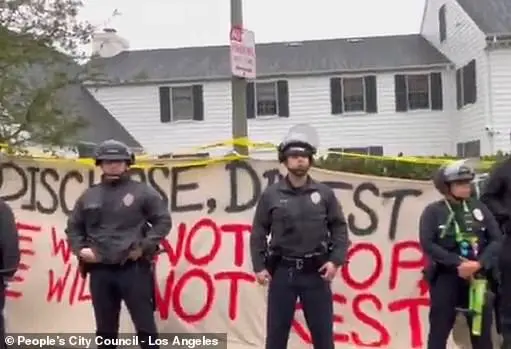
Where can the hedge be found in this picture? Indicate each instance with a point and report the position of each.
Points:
(395, 167)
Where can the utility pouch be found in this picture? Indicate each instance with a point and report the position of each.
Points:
(83, 268)
(430, 272)
(271, 262)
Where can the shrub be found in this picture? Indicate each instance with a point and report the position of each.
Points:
(418, 168)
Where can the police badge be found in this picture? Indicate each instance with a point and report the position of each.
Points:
(478, 215)
(128, 199)
(315, 198)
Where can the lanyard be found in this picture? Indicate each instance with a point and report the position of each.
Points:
(463, 238)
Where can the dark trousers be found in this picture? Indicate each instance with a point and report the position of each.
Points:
(286, 286)
(447, 292)
(2, 319)
(504, 301)
(131, 283)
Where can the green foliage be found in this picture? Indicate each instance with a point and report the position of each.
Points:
(40, 44)
(418, 168)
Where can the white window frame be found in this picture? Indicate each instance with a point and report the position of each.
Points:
(256, 99)
(364, 97)
(172, 107)
(409, 107)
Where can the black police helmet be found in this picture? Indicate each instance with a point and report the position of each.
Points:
(295, 147)
(454, 172)
(114, 151)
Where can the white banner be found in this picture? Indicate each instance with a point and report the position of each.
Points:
(205, 282)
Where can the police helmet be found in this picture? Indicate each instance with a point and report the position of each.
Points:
(114, 151)
(455, 172)
(301, 139)
(295, 147)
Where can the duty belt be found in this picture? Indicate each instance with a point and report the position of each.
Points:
(309, 263)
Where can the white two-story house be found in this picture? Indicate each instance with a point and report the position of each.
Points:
(443, 90)
(476, 37)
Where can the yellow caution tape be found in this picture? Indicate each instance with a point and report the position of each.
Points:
(147, 161)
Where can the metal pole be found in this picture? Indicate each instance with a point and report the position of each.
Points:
(238, 88)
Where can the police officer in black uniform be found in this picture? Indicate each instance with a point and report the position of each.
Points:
(115, 228)
(496, 194)
(9, 257)
(460, 239)
(309, 241)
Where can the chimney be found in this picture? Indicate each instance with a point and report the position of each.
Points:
(108, 43)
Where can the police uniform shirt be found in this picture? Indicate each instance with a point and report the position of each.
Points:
(437, 234)
(112, 219)
(300, 221)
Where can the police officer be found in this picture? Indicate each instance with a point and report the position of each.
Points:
(115, 228)
(309, 241)
(460, 239)
(9, 257)
(496, 194)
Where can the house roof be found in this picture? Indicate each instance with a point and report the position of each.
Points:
(492, 16)
(274, 59)
(101, 125)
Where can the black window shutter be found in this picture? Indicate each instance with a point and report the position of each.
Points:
(472, 149)
(198, 103)
(469, 80)
(460, 150)
(283, 98)
(437, 101)
(442, 24)
(376, 150)
(165, 104)
(459, 89)
(250, 100)
(400, 92)
(371, 94)
(336, 96)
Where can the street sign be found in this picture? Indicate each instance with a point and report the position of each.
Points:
(243, 56)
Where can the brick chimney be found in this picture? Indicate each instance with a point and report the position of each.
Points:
(108, 43)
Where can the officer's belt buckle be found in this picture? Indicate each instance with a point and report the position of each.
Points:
(299, 264)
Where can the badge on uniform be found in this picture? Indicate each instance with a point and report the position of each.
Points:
(128, 199)
(315, 198)
(478, 215)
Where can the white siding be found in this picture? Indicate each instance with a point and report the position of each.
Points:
(500, 96)
(464, 42)
(413, 133)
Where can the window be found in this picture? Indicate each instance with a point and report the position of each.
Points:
(181, 103)
(269, 98)
(266, 97)
(466, 85)
(442, 24)
(468, 149)
(417, 89)
(418, 92)
(375, 150)
(353, 94)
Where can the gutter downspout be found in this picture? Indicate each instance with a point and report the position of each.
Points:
(489, 107)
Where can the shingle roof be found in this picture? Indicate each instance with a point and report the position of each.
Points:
(492, 16)
(101, 125)
(274, 59)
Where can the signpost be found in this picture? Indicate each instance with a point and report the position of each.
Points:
(243, 56)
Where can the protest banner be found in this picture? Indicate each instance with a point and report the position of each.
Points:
(205, 282)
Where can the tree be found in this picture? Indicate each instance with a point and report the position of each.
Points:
(40, 47)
